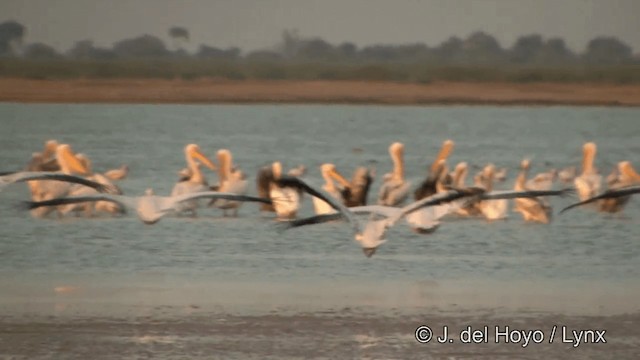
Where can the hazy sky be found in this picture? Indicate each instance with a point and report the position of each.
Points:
(255, 24)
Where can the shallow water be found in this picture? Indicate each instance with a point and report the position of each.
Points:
(583, 262)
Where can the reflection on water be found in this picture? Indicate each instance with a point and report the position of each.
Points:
(579, 258)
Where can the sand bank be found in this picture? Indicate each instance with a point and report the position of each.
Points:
(341, 92)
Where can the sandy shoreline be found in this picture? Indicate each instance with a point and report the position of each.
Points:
(205, 91)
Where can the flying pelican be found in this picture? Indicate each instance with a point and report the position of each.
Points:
(196, 181)
(371, 235)
(588, 183)
(626, 176)
(285, 200)
(8, 178)
(427, 187)
(329, 173)
(395, 189)
(231, 180)
(356, 193)
(532, 209)
(150, 208)
(624, 192)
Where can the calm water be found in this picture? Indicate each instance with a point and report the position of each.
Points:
(225, 261)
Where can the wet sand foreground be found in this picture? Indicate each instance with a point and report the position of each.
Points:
(355, 92)
(336, 335)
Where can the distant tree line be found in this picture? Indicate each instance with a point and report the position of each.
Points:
(478, 50)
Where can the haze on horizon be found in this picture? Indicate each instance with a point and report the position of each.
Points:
(258, 24)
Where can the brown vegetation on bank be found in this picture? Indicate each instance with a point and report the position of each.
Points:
(285, 91)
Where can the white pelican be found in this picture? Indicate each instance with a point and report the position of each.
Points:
(491, 209)
(532, 209)
(150, 208)
(99, 206)
(428, 186)
(501, 174)
(624, 192)
(395, 189)
(44, 190)
(231, 180)
(626, 176)
(8, 178)
(588, 183)
(329, 173)
(285, 200)
(371, 235)
(196, 181)
(458, 181)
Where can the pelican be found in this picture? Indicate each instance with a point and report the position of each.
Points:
(395, 189)
(150, 207)
(495, 209)
(196, 181)
(356, 193)
(624, 192)
(231, 180)
(329, 173)
(501, 174)
(458, 181)
(371, 235)
(8, 178)
(626, 176)
(45, 190)
(532, 209)
(427, 187)
(285, 200)
(99, 206)
(588, 183)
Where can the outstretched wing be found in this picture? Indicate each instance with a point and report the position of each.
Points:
(41, 175)
(123, 201)
(312, 220)
(524, 194)
(297, 183)
(609, 194)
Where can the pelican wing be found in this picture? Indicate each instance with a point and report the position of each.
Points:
(172, 201)
(312, 220)
(23, 176)
(297, 183)
(609, 194)
(493, 195)
(123, 201)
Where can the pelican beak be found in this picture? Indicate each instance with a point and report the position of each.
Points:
(336, 175)
(368, 252)
(205, 160)
(630, 172)
(445, 151)
(73, 162)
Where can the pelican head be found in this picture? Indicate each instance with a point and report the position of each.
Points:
(445, 151)
(68, 160)
(149, 192)
(627, 172)
(192, 151)
(298, 171)
(525, 164)
(84, 160)
(329, 171)
(396, 151)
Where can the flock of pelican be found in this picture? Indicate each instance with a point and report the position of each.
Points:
(64, 182)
